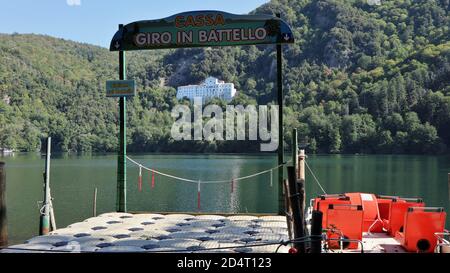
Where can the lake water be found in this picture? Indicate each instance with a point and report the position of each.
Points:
(74, 178)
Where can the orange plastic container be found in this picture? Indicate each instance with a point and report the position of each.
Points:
(384, 207)
(398, 209)
(344, 220)
(420, 226)
(369, 203)
(328, 197)
(322, 203)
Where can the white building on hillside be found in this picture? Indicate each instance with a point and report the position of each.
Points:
(210, 88)
(374, 2)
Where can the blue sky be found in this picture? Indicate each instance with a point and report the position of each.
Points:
(95, 21)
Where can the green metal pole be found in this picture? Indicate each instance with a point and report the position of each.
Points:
(3, 219)
(44, 226)
(121, 201)
(281, 208)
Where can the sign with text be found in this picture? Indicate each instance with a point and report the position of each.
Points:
(202, 29)
(123, 88)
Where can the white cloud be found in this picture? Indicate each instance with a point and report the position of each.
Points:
(73, 2)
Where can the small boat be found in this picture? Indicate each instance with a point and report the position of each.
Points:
(365, 222)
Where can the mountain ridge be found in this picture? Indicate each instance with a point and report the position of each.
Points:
(360, 78)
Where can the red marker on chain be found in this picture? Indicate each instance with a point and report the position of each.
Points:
(198, 196)
(140, 179)
(153, 179)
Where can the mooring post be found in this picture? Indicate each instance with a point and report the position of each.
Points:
(94, 205)
(301, 187)
(44, 226)
(297, 213)
(301, 178)
(52, 213)
(288, 212)
(121, 200)
(295, 151)
(280, 96)
(287, 203)
(316, 231)
(3, 220)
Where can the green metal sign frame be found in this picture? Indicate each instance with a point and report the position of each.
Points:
(199, 29)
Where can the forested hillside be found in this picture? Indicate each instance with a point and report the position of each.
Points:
(359, 79)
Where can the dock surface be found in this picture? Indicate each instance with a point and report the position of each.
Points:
(378, 243)
(126, 232)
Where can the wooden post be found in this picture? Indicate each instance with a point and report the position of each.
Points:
(301, 177)
(94, 207)
(295, 151)
(288, 207)
(288, 204)
(280, 97)
(301, 186)
(121, 200)
(3, 219)
(297, 213)
(44, 226)
(301, 165)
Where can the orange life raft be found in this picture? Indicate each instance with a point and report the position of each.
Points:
(347, 216)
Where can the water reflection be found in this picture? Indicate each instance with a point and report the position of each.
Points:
(74, 178)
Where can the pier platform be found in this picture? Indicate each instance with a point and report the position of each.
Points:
(378, 243)
(152, 232)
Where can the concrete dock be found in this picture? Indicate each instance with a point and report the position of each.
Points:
(126, 232)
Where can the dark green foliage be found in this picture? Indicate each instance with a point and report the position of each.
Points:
(359, 79)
